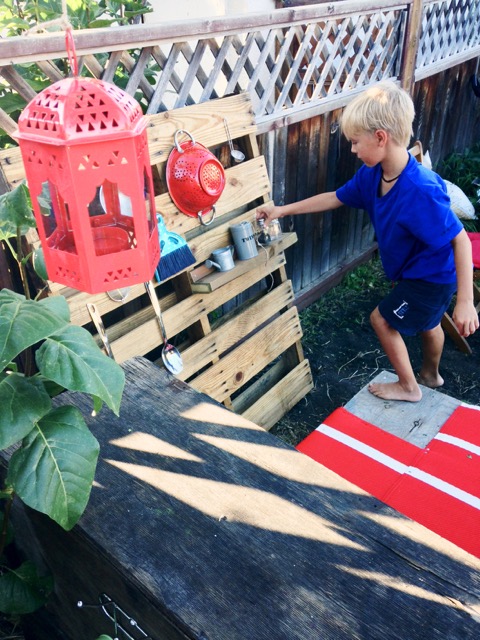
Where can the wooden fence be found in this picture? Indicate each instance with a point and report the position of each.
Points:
(300, 66)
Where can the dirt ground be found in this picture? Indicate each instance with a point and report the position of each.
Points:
(345, 355)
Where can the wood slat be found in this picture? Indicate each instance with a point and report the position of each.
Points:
(276, 402)
(244, 183)
(78, 300)
(12, 165)
(141, 339)
(240, 365)
(207, 123)
(227, 335)
(218, 279)
(219, 236)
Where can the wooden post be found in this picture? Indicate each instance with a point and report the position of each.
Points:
(412, 38)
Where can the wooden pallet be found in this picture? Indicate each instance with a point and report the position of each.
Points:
(252, 360)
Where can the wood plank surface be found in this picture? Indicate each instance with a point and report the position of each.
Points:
(206, 124)
(250, 357)
(142, 338)
(243, 184)
(202, 525)
(12, 165)
(416, 422)
(217, 279)
(228, 334)
(277, 401)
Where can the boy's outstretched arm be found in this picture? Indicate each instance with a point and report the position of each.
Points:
(315, 204)
(465, 315)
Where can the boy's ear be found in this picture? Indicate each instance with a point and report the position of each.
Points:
(381, 136)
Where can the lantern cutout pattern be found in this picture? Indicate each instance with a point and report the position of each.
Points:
(85, 151)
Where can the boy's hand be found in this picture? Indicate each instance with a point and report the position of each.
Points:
(465, 317)
(268, 212)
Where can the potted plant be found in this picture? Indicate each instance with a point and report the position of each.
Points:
(49, 452)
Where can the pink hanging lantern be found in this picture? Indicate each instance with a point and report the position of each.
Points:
(85, 150)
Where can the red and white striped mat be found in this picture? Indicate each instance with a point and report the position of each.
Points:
(438, 486)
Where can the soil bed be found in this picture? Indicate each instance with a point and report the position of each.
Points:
(345, 354)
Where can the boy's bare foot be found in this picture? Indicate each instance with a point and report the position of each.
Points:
(433, 382)
(394, 391)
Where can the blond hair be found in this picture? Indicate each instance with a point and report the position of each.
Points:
(384, 106)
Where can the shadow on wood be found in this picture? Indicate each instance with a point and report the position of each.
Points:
(201, 525)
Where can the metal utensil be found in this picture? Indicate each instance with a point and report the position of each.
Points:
(98, 322)
(170, 355)
(236, 154)
(195, 178)
(119, 295)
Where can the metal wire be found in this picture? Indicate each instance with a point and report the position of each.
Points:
(119, 617)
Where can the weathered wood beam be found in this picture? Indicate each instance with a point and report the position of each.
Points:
(20, 49)
(412, 38)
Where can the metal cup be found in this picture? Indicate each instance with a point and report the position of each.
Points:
(244, 240)
(222, 259)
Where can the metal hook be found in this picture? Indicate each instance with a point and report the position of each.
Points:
(200, 217)
(177, 143)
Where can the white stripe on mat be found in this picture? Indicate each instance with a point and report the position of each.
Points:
(395, 465)
(444, 487)
(361, 447)
(458, 442)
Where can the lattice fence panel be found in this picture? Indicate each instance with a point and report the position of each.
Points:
(448, 28)
(290, 63)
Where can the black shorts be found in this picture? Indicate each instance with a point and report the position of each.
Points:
(414, 306)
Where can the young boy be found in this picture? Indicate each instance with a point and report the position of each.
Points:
(423, 246)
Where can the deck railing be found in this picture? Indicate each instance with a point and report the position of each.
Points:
(294, 63)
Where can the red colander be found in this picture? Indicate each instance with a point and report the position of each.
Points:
(195, 178)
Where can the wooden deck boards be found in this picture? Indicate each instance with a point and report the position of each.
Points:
(203, 526)
(416, 422)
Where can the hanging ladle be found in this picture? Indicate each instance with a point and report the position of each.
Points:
(119, 295)
(170, 355)
(236, 154)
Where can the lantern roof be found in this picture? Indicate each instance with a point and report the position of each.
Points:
(78, 110)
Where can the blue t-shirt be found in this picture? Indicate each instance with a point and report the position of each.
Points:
(413, 222)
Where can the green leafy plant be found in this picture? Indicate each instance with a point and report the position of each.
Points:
(53, 463)
(464, 171)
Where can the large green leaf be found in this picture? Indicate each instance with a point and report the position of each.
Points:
(12, 102)
(26, 322)
(9, 527)
(24, 401)
(73, 359)
(15, 211)
(22, 590)
(54, 469)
